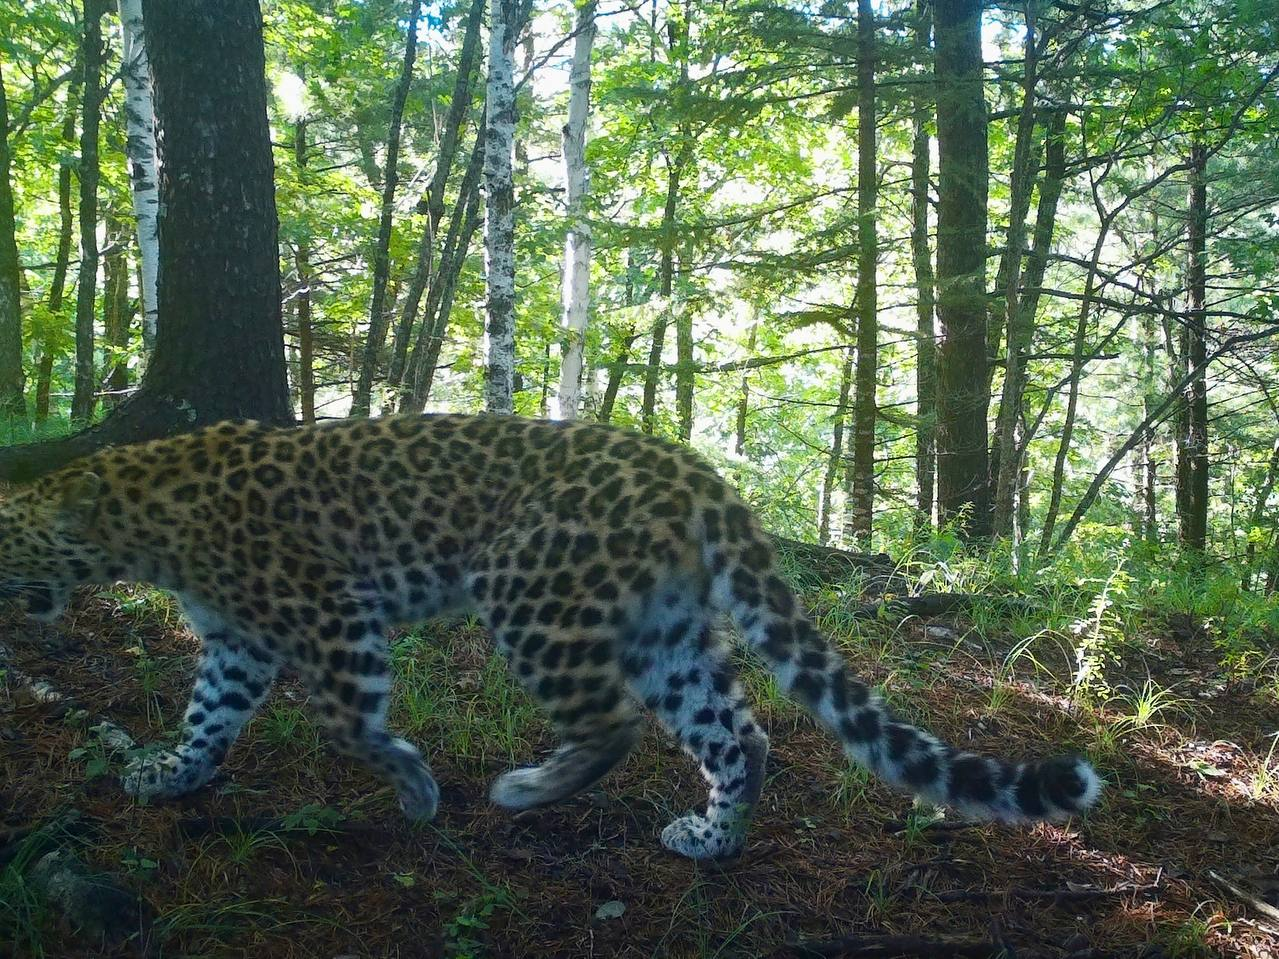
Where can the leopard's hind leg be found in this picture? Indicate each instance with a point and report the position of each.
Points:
(565, 656)
(350, 686)
(682, 671)
(234, 676)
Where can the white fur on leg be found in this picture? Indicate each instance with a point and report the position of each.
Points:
(697, 837)
(167, 775)
(523, 789)
(420, 801)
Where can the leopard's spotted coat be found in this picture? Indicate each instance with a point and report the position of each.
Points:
(598, 558)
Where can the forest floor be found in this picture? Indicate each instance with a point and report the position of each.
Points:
(294, 852)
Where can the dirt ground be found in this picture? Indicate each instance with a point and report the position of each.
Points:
(294, 852)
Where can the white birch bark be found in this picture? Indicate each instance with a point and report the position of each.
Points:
(577, 245)
(499, 220)
(139, 113)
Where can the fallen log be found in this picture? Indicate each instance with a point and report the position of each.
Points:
(897, 608)
(1234, 889)
(878, 572)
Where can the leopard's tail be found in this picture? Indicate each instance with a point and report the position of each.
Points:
(745, 583)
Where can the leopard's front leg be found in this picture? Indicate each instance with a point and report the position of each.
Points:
(233, 678)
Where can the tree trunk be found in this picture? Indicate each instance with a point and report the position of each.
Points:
(1150, 521)
(676, 33)
(220, 340)
(219, 351)
(1077, 363)
(1020, 327)
(963, 400)
(442, 313)
(12, 402)
(420, 371)
(577, 245)
(144, 183)
(617, 369)
(44, 383)
(1155, 416)
(1078, 360)
(685, 372)
(499, 214)
(1037, 262)
(1050, 184)
(62, 260)
(836, 450)
(302, 260)
(432, 204)
(378, 311)
(862, 479)
(82, 401)
(1258, 516)
(744, 397)
(666, 276)
(117, 312)
(926, 358)
(1192, 461)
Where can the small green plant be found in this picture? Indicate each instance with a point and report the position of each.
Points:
(879, 895)
(1144, 705)
(851, 783)
(96, 760)
(921, 817)
(1188, 940)
(145, 605)
(1097, 635)
(1001, 688)
(220, 921)
(244, 844)
(150, 671)
(463, 934)
(139, 865)
(314, 818)
(1265, 777)
(286, 726)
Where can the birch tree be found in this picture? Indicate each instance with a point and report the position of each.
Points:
(577, 245)
(144, 183)
(219, 351)
(499, 221)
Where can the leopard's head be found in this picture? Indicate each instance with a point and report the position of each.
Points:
(45, 551)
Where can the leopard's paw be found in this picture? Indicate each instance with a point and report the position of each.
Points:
(165, 775)
(698, 837)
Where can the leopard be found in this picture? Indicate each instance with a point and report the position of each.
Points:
(600, 560)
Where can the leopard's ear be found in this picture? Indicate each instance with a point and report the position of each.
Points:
(79, 497)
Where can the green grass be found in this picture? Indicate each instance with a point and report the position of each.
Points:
(25, 915)
(16, 430)
(454, 694)
(287, 726)
(213, 923)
